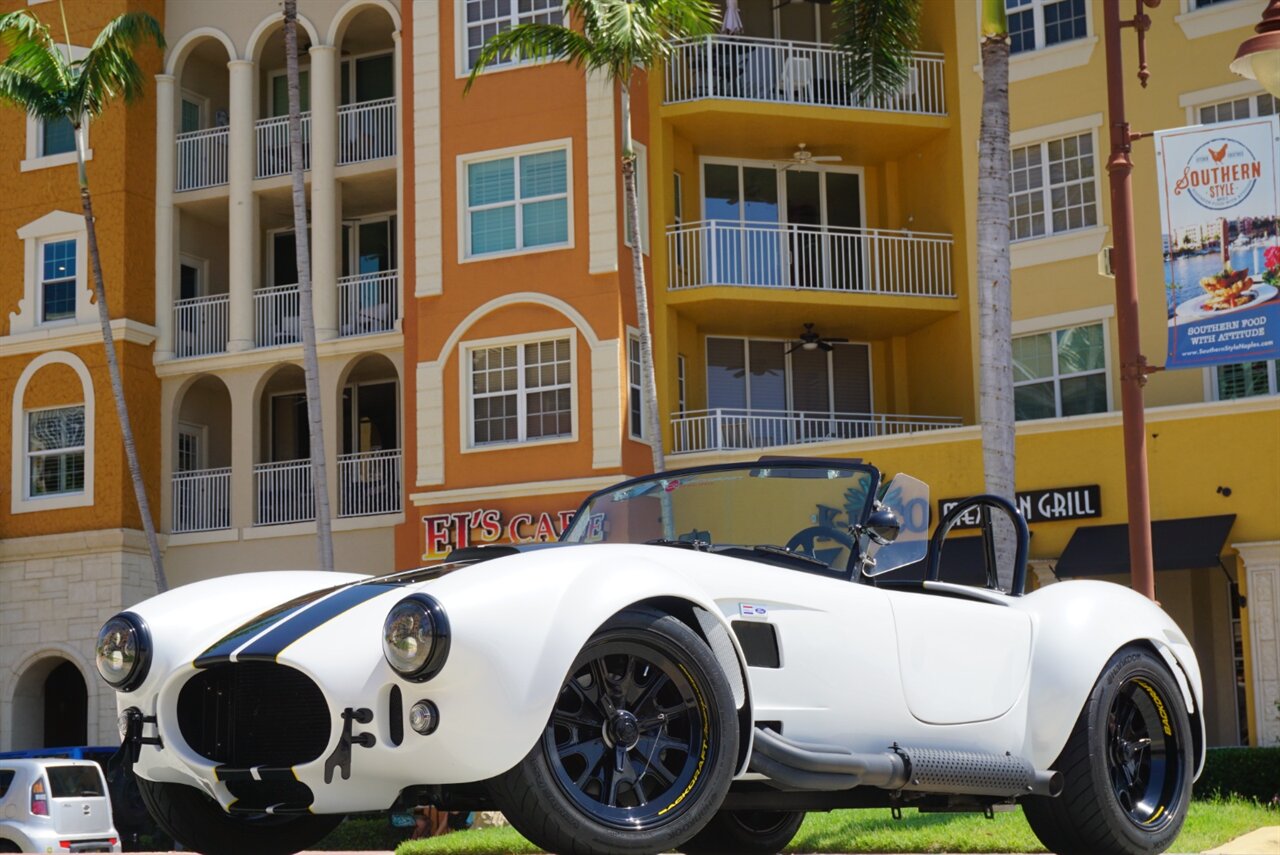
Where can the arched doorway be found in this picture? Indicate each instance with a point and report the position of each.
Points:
(50, 705)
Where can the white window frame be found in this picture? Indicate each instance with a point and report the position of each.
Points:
(201, 435)
(1051, 325)
(29, 455)
(642, 198)
(1046, 188)
(465, 396)
(1273, 380)
(35, 157)
(1250, 92)
(75, 280)
(52, 227)
(19, 500)
(1197, 22)
(201, 266)
(744, 163)
(636, 421)
(1037, 15)
(350, 61)
(271, 88)
(514, 153)
(201, 102)
(462, 64)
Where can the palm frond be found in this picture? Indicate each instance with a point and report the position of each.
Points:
(31, 51)
(533, 41)
(109, 68)
(878, 37)
(34, 98)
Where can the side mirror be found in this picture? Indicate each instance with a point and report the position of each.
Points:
(883, 526)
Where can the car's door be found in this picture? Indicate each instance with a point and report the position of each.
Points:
(961, 660)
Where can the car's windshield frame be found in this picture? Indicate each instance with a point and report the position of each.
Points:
(815, 463)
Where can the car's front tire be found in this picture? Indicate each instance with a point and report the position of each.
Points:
(201, 825)
(639, 750)
(1126, 767)
(746, 832)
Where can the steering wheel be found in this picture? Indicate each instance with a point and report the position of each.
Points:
(805, 540)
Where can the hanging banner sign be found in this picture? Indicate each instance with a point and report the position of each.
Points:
(1056, 503)
(443, 533)
(1219, 204)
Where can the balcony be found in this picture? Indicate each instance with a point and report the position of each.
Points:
(201, 500)
(272, 144)
(275, 316)
(737, 429)
(202, 159)
(283, 493)
(368, 303)
(200, 325)
(741, 68)
(366, 131)
(819, 258)
(369, 483)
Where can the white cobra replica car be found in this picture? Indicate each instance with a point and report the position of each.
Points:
(705, 655)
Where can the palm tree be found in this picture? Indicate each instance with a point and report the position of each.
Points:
(307, 320)
(878, 36)
(616, 38)
(50, 86)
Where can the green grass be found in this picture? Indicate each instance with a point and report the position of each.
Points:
(1209, 824)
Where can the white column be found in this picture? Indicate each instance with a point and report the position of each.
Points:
(398, 261)
(242, 386)
(242, 211)
(1260, 566)
(166, 227)
(326, 227)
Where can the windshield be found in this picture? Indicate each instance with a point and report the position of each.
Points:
(803, 508)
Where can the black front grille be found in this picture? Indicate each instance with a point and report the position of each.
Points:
(254, 714)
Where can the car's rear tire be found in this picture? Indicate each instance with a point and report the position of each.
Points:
(745, 832)
(201, 825)
(666, 717)
(1126, 767)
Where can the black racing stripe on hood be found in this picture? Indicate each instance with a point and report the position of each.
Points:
(268, 647)
(222, 649)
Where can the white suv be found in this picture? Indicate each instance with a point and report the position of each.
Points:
(51, 805)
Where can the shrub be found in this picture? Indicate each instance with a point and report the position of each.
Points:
(363, 833)
(1252, 773)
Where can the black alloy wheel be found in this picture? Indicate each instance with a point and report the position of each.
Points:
(1140, 744)
(629, 734)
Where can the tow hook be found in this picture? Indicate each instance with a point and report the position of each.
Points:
(341, 756)
(131, 723)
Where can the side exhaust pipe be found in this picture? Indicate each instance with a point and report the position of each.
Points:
(812, 766)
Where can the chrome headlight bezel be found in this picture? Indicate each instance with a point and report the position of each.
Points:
(421, 617)
(114, 637)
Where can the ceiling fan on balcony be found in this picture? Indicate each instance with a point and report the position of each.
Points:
(811, 340)
(803, 157)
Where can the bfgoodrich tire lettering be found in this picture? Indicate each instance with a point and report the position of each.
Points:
(201, 825)
(1126, 767)
(746, 832)
(639, 749)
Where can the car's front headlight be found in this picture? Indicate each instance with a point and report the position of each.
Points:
(415, 638)
(123, 652)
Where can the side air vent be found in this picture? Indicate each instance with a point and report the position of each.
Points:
(759, 643)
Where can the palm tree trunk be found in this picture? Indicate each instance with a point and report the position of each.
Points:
(995, 293)
(648, 376)
(307, 321)
(113, 369)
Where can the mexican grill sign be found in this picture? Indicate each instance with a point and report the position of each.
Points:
(1057, 503)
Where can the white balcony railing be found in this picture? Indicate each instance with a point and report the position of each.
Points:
(366, 131)
(828, 258)
(284, 493)
(273, 145)
(202, 158)
(200, 325)
(367, 303)
(369, 483)
(729, 429)
(275, 316)
(201, 500)
(741, 68)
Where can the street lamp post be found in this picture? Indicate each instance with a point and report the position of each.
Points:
(1133, 365)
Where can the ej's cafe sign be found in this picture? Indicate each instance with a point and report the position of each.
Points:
(1057, 503)
(443, 533)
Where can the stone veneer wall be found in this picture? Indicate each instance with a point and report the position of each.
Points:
(55, 593)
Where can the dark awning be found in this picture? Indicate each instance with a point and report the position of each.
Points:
(1184, 544)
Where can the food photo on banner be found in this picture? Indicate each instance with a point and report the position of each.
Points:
(1219, 204)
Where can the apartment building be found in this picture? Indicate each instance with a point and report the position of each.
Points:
(810, 256)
